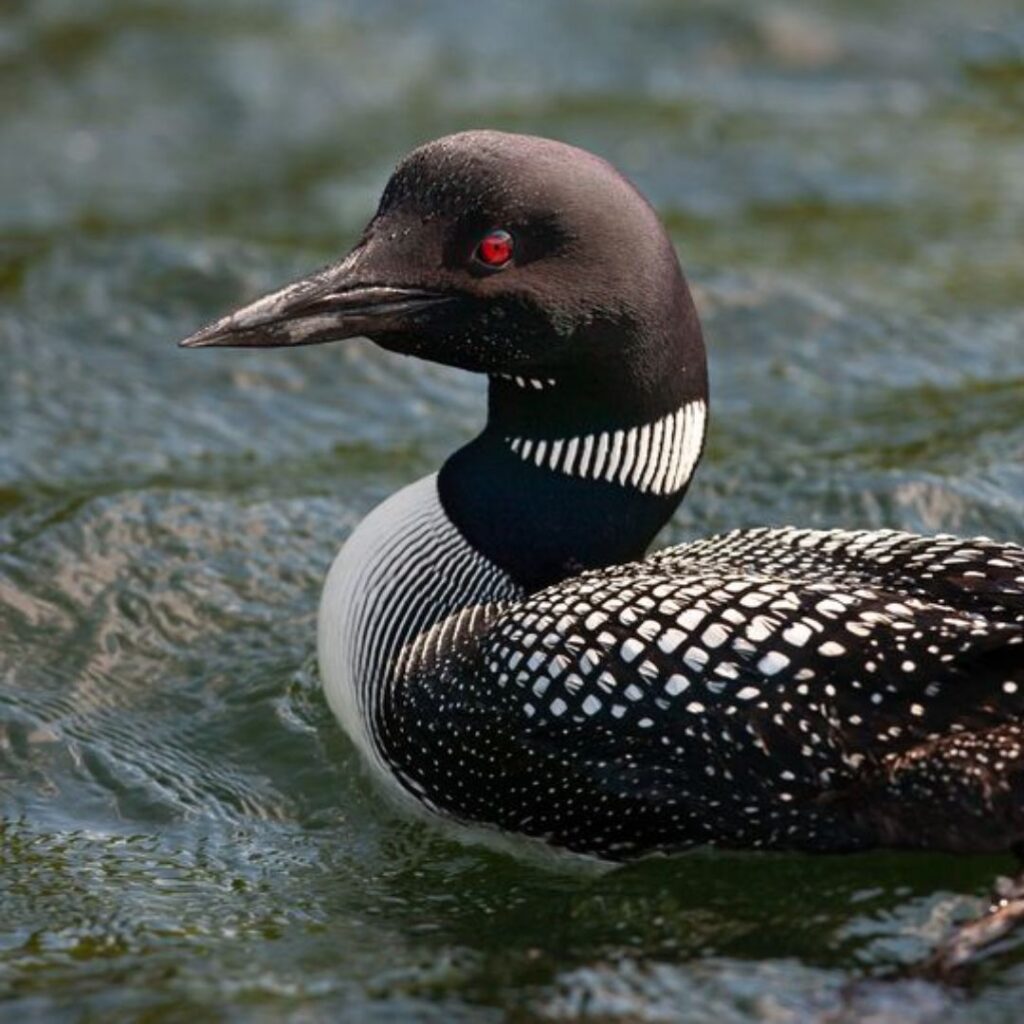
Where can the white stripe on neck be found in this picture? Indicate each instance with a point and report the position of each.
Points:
(536, 383)
(655, 458)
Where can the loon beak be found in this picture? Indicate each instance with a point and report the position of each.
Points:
(327, 306)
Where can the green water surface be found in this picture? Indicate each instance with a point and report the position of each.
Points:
(184, 832)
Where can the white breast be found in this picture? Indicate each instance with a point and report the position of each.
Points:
(405, 570)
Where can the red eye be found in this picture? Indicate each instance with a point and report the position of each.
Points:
(495, 249)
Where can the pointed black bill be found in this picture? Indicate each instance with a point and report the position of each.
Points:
(325, 307)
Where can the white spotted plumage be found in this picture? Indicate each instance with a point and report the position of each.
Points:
(780, 661)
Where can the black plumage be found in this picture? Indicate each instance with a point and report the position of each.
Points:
(495, 642)
(821, 690)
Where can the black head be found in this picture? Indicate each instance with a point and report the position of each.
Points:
(523, 258)
(502, 254)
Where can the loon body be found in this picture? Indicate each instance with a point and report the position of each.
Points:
(493, 637)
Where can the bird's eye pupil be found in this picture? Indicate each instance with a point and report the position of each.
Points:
(495, 248)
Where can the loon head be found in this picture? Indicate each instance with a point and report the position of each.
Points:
(540, 265)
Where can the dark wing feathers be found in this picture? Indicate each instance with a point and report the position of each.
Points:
(976, 574)
(762, 688)
(786, 666)
(848, 672)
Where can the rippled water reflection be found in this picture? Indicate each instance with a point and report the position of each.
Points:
(184, 830)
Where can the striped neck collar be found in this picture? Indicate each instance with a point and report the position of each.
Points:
(655, 458)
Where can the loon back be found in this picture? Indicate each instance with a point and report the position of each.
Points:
(492, 637)
(821, 690)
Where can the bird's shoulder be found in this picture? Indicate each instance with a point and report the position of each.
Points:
(975, 574)
(822, 642)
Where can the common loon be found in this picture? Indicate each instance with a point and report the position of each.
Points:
(495, 642)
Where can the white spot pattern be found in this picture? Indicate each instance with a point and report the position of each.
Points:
(712, 693)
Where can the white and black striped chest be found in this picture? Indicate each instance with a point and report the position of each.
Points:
(427, 571)
(404, 593)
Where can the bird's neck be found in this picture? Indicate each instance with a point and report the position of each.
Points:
(574, 472)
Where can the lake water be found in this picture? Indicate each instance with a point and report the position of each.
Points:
(184, 832)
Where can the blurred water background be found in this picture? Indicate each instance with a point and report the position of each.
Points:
(184, 832)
